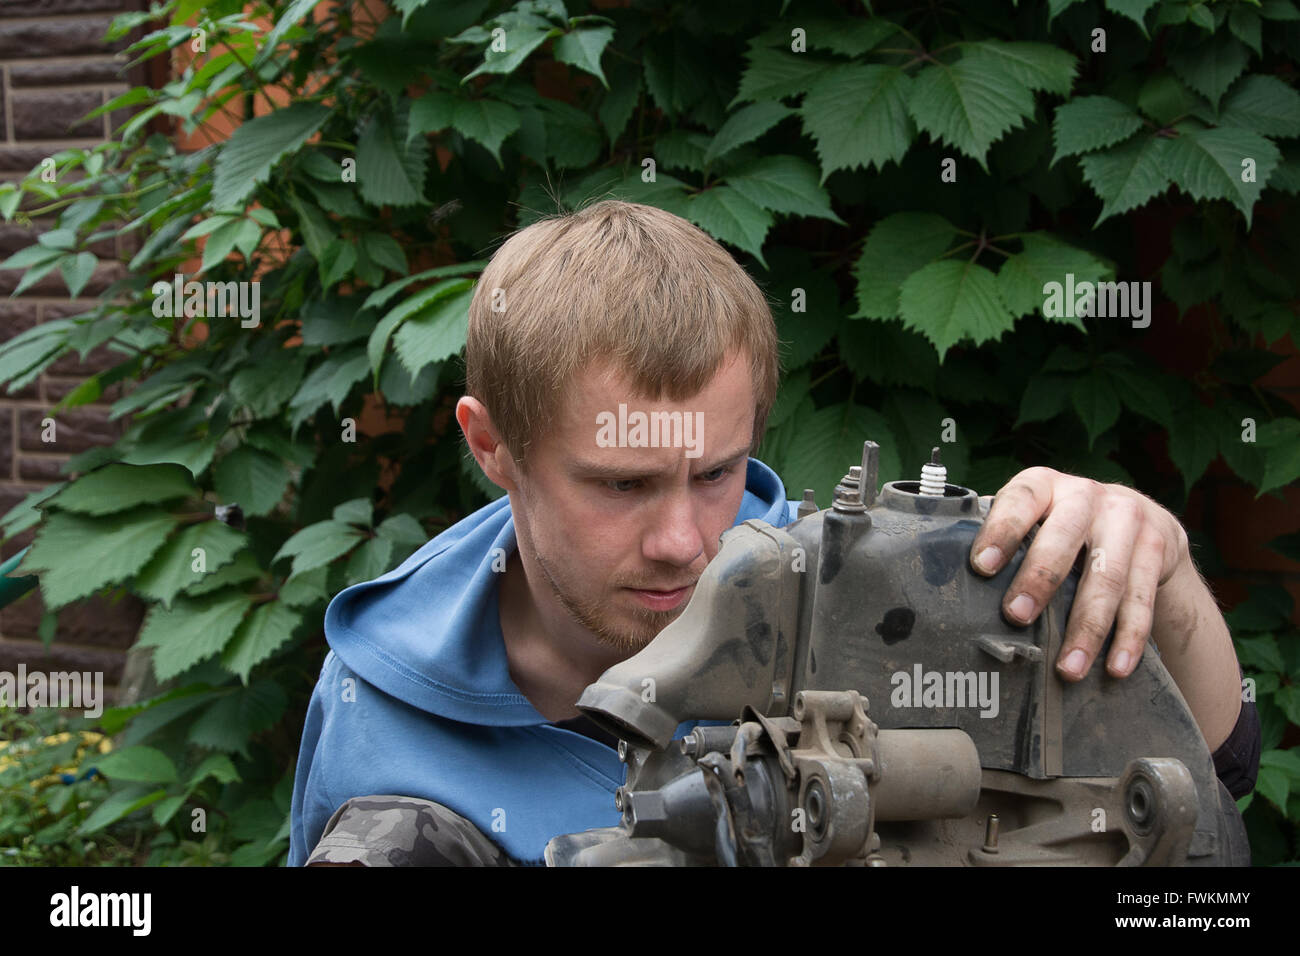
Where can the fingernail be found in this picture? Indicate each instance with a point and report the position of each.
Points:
(1022, 607)
(1074, 662)
(1121, 662)
(989, 558)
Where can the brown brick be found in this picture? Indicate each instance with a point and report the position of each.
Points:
(34, 8)
(61, 657)
(6, 442)
(23, 159)
(93, 622)
(50, 74)
(55, 115)
(51, 38)
(97, 360)
(75, 430)
(41, 470)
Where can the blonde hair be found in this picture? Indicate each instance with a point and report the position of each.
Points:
(620, 281)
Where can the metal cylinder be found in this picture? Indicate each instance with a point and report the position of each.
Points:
(925, 775)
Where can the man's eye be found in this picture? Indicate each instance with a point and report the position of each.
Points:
(717, 475)
(622, 484)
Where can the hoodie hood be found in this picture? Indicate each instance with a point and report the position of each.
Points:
(428, 632)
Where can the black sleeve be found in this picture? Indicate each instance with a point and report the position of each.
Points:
(1236, 762)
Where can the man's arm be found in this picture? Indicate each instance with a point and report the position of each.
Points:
(1196, 648)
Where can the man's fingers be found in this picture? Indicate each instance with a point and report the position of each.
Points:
(1137, 609)
(1018, 506)
(1049, 559)
(1102, 586)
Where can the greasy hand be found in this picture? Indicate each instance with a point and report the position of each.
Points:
(1134, 546)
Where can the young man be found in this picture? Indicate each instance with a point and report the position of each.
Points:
(443, 728)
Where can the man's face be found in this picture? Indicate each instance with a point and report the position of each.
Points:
(621, 534)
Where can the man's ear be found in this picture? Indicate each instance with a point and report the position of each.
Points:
(486, 445)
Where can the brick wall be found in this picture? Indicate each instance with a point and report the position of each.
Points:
(55, 68)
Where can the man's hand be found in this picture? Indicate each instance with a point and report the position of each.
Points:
(1134, 547)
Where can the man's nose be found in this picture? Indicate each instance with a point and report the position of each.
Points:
(674, 535)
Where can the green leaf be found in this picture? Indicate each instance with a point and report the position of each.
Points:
(421, 303)
(79, 555)
(1091, 122)
(264, 387)
(1279, 440)
(1263, 104)
(369, 561)
(1045, 259)
(356, 511)
(971, 103)
(294, 15)
(1210, 67)
(1127, 176)
(300, 590)
(239, 571)
(230, 723)
(77, 270)
(247, 158)
(898, 246)
(746, 125)
(519, 42)
(1273, 785)
(1260, 653)
(338, 260)
(858, 116)
(948, 301)
(1245, 26)
(724, 213)
(1207, 164)
(331, 381)
(777, 74)
(191, 630)
(117, 805)
(582, 48)
(1141, 392)
(138, 764)
(391, 169)
(403, 529)
(259, 635)
(217, 766)
(1037, 66)
(1096, 403)
(485, 121)
(251, 477)
(435, 332)
(164, 810)
(172, 568)
(827, 441)
(117, 487)
(317, 229)
(386, 251)
(1193, 443)
(318, 544)
(785, 184)
(1135, 10)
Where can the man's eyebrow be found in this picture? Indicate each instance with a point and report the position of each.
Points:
(599, 470)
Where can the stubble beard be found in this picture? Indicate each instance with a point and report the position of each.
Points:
(597, 618)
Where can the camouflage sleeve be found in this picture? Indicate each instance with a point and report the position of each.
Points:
(389, 830)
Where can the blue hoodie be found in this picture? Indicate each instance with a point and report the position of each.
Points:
(415, 698)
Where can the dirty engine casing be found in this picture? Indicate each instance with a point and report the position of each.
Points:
(882, 711)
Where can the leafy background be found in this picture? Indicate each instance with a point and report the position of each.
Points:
(383, 150)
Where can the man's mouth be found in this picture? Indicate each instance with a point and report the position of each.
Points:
(661, 599)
